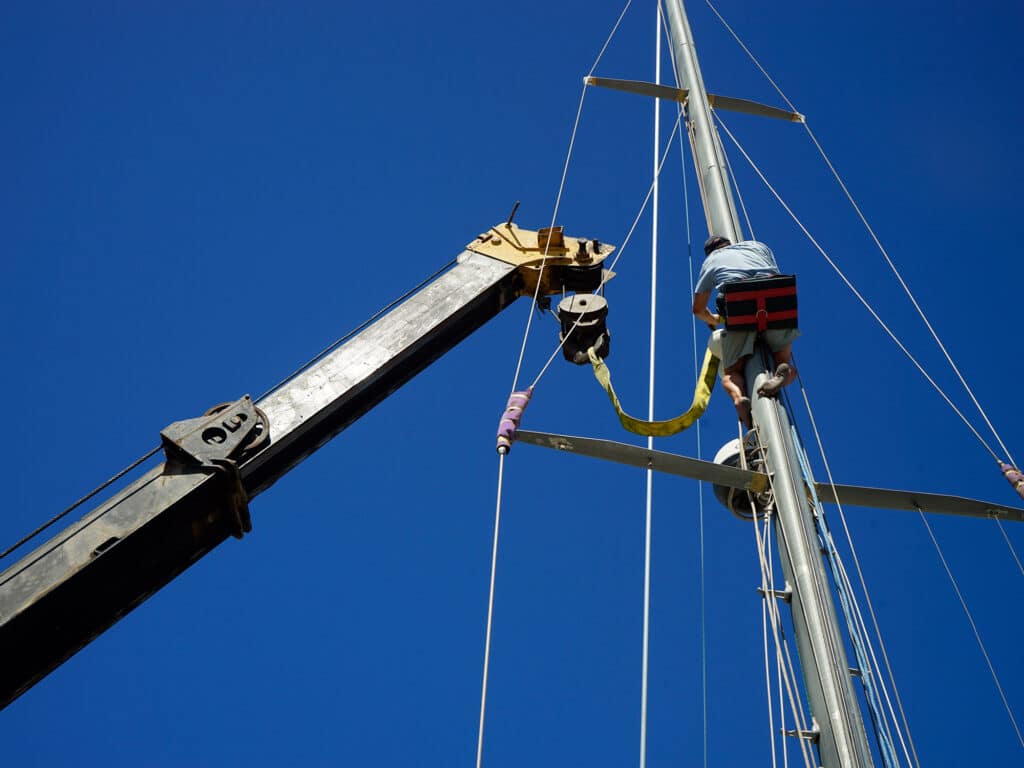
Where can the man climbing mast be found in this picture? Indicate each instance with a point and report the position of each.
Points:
(725, 263)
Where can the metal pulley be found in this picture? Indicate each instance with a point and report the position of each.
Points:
(584, 325)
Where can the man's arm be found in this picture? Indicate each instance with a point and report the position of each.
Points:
(700, 309)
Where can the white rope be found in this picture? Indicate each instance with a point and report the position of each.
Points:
(853, 290)
(905, 728)
(974, 627)
(874, 237)
(648, 516)
(490, 613)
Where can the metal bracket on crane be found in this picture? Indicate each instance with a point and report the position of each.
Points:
(216, 442)
(569, 263)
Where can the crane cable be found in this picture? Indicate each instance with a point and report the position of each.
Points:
(515, 380)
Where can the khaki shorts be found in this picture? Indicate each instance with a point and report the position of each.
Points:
(739, 344)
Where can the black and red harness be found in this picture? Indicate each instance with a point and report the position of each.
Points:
(760, 304)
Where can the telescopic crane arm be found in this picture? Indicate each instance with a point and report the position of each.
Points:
(69, 590)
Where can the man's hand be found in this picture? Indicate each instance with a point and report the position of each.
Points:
(700, 309)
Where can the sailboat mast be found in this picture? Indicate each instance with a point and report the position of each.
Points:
(715, 190)
(838, 725)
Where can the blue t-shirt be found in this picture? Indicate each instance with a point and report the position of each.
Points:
(736, 262)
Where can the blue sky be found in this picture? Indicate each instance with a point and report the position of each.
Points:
(199, 196)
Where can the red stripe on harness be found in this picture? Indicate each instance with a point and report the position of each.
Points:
(763, 293)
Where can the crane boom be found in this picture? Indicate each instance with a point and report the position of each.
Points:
(66, 592)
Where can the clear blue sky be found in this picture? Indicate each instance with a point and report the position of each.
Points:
(197, 197)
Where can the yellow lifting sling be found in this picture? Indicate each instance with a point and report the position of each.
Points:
(701, 396)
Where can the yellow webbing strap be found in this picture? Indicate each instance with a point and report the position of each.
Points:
(701, 396)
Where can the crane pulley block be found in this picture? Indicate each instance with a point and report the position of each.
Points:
(226, 431)
(217, 442)
(584, 320)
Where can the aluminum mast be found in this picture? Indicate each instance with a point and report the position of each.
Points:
(842, 740)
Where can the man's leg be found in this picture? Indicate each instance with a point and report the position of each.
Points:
(735, 384)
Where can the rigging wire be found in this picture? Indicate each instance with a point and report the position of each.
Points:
(874, 237)
(1013, 551)
(885, 327)
(974, 627)
(864, 589)
(778, 663)
(855, 292)
(859, 636)
(767, 663)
